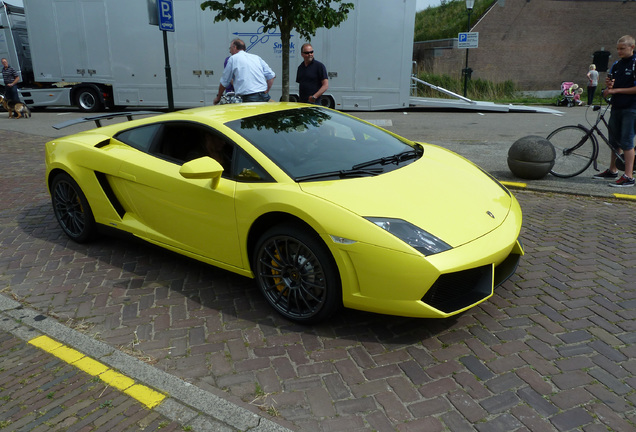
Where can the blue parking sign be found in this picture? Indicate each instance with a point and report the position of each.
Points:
(166, 15)
(468, 40)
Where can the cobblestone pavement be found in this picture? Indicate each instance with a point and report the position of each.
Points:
(553, 350)
(39, 392)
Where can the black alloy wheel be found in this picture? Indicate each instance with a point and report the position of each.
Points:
(71, 209)
(297, 274)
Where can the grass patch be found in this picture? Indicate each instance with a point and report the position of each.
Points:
(483, 90)
(477, 89)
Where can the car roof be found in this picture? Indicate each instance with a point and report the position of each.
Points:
(229, 112)
(219, 114)
(214, 116)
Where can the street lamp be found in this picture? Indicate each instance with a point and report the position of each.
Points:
(469, 8)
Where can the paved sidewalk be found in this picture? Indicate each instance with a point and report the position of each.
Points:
(39, 392)
(553, 350)
(84, 385)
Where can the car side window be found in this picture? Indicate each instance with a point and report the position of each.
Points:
(247, 170)
(214, 146)
(181, 142)
(140, 138)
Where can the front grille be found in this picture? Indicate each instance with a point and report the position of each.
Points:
(454, 291)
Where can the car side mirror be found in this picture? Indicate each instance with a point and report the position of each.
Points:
(202, 168)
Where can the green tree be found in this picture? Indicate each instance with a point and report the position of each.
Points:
(302, 16)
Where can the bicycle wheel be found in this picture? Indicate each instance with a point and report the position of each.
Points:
(575, 147)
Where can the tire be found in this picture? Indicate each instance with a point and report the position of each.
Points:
(72, 210)
(328, 101)
(87, 99)
(575, 148)
(297, 274)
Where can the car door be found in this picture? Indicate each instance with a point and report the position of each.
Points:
(188, 214)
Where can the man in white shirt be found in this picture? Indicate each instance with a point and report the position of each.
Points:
(251, 77)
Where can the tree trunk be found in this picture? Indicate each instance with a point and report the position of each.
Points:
(285, 38)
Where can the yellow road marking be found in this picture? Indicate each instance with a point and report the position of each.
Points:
(624, 196)
(142, 393)
(524, 185)
(90, 366)
(146, 394)
(69, 355)
(117, 380)
(45, 343)
(514, 184)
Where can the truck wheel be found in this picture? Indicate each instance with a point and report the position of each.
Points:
(327, 101)
(88, 100)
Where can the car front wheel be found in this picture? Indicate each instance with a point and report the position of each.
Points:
(71, 209)
(297, 274)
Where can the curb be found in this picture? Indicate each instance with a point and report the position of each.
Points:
(526, 187)
(182, 402)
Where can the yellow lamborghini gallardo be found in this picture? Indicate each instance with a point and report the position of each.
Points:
(322, 209)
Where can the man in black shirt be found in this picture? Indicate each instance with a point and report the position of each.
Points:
(311, 77)
(621, 85)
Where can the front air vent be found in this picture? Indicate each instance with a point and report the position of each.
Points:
(455, 291)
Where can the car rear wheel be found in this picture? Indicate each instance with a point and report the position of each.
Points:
(71, 209)
(297, 274)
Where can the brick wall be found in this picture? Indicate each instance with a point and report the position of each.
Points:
(537, 43)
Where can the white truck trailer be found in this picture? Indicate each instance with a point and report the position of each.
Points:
(104, 53)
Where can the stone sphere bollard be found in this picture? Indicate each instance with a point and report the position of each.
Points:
(531, 157)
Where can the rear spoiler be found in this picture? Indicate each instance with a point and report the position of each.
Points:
(98, 118)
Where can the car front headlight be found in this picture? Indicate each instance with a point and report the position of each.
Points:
(417, 238)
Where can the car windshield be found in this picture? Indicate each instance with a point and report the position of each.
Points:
(313, 143)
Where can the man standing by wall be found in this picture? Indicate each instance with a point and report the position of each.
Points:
(311, 77)
(251, 77)
(11, 78)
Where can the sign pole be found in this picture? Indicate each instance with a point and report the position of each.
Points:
(168, 73)
(165, 12)
(467, 40)
(466, 70)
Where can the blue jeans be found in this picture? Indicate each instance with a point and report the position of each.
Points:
(622, 124)
(11, 93)
(256, 97)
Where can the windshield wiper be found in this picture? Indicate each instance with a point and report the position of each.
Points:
(396, 158)
(355, 172)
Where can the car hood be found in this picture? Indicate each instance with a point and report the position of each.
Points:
(441, 193)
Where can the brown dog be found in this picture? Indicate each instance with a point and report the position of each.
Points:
(17, 108)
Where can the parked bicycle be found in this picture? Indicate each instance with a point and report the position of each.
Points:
(577, 146)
